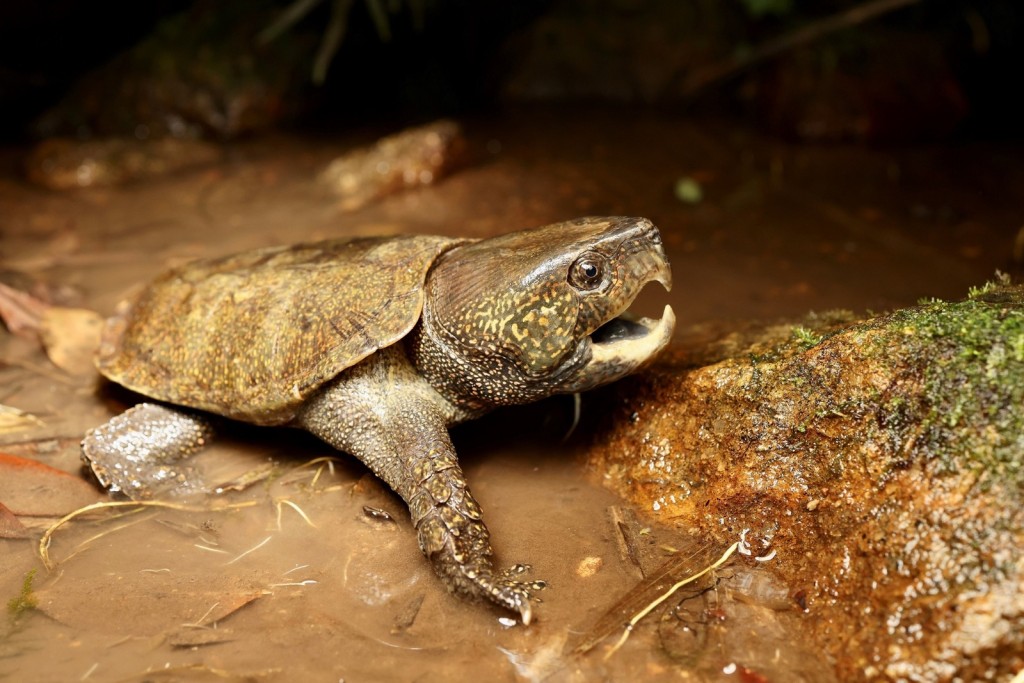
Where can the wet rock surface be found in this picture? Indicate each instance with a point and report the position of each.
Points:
(880, 460)
(64, 164)
(415, 157)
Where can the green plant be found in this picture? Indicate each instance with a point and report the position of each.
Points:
(25, 600)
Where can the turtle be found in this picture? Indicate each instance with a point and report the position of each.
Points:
(377, 345)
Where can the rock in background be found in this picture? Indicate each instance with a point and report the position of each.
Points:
(200, 73)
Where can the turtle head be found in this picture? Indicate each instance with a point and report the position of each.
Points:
(521, 316)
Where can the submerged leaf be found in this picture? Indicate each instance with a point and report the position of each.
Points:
(30, 488)
(678, 570)
(71, 337)
(10, 526)
(15, 420)
(19, 311)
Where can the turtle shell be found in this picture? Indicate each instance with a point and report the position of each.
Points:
(251, 336)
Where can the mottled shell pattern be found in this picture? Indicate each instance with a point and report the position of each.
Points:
(251, 336)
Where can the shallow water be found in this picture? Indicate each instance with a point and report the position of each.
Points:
(303, 584)
(260, 593)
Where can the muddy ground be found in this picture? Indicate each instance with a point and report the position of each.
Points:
(300, 583)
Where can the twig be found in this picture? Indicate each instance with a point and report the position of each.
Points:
(300, 584)
(44, 542)
(667, 594)
(211, 550)
(316, 477)
(733, 66)
(284, 501)
(81, 546)
(90, 672)
(198, 623)
(290, 477)
(329, 459)
(252, 549)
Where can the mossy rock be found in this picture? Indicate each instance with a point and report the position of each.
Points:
(881, 459)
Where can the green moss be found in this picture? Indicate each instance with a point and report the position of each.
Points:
(806, 337)
(1002, 280)
(25, 600)
(969, 359)
(955, 393)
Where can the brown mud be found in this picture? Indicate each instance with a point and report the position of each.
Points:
(166, 594)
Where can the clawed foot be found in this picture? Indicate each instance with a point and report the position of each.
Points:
(453, 536)
(507, 590)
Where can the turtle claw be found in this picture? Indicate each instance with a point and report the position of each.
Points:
(456, 541)
(516, 595)
(526, 613)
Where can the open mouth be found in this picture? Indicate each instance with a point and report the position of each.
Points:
(617, 329)
(628, 340)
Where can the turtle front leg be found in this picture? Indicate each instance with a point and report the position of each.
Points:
(390, 420)
(140, 453)
(448, 519)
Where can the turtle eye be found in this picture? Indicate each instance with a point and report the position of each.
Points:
(587, 272)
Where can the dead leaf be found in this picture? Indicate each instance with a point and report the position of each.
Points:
(201, 673)
(10, 527)
(32, 489)
(20, 312)
(54, 294)
(71, 337)
(206, 631)
(14, 420)
(645, 592)
(197, 637)
(227, 604)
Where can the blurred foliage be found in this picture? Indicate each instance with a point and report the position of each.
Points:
(380, 12)
(764, 8)
(196, 73)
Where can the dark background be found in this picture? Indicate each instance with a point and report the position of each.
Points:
(459, 56)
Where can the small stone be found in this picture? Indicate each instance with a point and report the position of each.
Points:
(589, 566)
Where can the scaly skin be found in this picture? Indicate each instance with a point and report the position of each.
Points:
(507, 320)
(139, 453)
(379, 345)
(384, 413)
